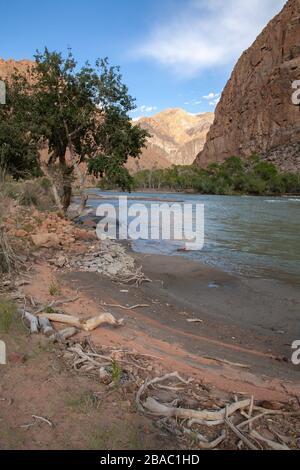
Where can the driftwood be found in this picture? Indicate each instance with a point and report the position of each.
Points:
(45, 326)
(63, 335)
(157, 408)
(203, 443)
(274, 445)
(31, 321)
(238, 433)
(85, 325)
(56, 303)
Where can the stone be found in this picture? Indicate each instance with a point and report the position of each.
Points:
(60, 262)
(16, 358)
(45, 240)
(176, 138)
(21, 233)
(256, 114)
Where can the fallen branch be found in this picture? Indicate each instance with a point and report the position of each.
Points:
(45, 326)
(40, 418)
(162, 410)
(238, 433)
(156, 380)
(56, 303)
(63, 335)
(124, 307)
(85, 325)
(31, 321)
(274, 445)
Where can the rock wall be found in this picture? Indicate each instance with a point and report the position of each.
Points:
(256, 113)
(176, 138)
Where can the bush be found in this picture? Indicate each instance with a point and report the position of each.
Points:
(8, 313)
(235, 176)
(36, 192)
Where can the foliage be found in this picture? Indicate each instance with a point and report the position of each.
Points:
(18, 150)
(8, 313)
(85, 111)
(34, 192)
(80, 114)
(234, 176)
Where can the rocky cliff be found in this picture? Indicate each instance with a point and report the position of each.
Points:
(8, 67)
(256, 113)
(176, 138)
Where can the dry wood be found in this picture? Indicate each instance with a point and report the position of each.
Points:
(162, 410)
(156, 380)
(125, 307)
(56, 303)
(213, 444)
(238, 433)
(45, 326)
(274, 445)
(63, 335)
(31, 321)
(203, 422)
(85, 325)
(229, 363)
(41, 418)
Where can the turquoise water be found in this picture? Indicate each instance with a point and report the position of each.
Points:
(248, 236)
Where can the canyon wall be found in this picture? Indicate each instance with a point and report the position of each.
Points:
(256, 114)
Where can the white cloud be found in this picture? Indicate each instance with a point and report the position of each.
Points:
(215, 101)
(145, 109)
(211, 96)
(206, 34)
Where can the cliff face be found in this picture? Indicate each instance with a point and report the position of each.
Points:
(256, 113)
(8, 67)
(176, 138)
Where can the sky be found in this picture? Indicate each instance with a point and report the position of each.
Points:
(172, 53)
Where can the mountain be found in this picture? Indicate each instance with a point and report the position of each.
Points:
(8, 67)
(256, 113)
(176, 138)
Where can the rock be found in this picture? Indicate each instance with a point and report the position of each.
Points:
(21, 233)
(60, 262)
(85, 235)
(45, 240)
(104, 376)
(256, 114)
(16, 358)
(176, 137)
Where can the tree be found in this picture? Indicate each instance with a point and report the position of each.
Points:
(18, 150)
(81, 115)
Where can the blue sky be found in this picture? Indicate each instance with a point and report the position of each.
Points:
(172, 53)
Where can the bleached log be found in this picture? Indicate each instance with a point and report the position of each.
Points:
(108, 318)
(274, 445)
(31, 321)
(162, 410)
(45, 326)
(85, 325)
(63, 335)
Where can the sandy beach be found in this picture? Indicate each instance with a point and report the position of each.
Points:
(203, 319)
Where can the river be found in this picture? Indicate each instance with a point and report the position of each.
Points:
(246, 236)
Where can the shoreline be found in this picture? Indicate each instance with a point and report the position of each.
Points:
(209, 313)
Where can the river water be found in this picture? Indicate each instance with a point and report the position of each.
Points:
(247, 236)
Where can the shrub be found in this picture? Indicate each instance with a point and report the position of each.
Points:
(8, 313)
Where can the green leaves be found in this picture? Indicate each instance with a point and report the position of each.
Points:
(234, 176)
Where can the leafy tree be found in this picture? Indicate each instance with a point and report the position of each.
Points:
(234, 176)
(81, 115)
(18, 151)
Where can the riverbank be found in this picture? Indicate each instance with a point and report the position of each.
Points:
(187, 319)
